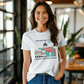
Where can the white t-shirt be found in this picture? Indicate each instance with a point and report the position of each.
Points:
(44, 56)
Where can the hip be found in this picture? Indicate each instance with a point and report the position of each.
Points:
(44, 78)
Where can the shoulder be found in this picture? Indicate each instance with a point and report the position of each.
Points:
(60, 33)
(29, 32)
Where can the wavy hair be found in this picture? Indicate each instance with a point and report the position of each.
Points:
(51, 24)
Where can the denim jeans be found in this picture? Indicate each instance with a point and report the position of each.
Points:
(44, 79)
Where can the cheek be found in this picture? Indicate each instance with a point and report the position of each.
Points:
(36, 16)
(47, 16)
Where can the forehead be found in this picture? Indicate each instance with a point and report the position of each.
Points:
(40, 8)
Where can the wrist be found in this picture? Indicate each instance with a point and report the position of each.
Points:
(61, 73)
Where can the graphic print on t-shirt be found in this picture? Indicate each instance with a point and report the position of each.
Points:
(45, 52)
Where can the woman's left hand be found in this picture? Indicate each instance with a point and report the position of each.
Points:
(58, 76)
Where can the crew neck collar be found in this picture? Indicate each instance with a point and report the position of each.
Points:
(41, 32)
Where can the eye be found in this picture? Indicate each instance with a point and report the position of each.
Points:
(44, 12)
(37, 13)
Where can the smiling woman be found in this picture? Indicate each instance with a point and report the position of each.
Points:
(40, 48)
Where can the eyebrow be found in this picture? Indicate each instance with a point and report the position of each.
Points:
(39, 11)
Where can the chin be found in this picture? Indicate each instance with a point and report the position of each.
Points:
(43, 23)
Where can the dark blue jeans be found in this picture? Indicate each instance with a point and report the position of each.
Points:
(44, 79)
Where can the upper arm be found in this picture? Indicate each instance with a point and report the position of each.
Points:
(61, 40)
(26, 57)
(62, 52)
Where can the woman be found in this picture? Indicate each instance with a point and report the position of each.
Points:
(40, 48)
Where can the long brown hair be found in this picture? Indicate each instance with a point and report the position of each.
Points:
(51, 24)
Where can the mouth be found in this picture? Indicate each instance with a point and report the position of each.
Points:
(41, 19)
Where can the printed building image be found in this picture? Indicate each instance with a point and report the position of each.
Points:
(45, 51)
(40, 53)
(45, 45)
(50, 51)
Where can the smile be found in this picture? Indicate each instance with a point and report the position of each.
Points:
(41, 19)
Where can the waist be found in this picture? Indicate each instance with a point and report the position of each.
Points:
(42, 74)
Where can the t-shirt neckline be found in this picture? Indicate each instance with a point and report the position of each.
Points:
(41, 32)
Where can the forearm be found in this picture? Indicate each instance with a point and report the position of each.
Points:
(62, 54)
(62, 68)
(62, 65)
(24, 74)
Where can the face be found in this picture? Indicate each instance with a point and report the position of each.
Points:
(41, 15)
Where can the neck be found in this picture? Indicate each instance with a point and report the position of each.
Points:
(41, 28)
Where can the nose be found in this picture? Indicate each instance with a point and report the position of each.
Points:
(41, 15)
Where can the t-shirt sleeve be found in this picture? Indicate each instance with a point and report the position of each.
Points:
(25, 45)
(61, 41)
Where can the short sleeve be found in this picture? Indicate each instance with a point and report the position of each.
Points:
(25, 44)
(61, 40)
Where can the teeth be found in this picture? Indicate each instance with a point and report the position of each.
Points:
(41, 19)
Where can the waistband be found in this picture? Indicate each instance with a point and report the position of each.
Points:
(43, 74)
